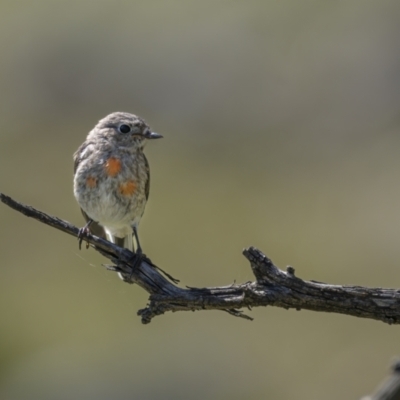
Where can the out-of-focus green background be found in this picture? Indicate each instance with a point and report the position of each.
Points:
(281, 124)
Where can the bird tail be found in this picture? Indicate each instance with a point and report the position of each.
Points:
(126, 242)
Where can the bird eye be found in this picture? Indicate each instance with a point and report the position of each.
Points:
(124, 128)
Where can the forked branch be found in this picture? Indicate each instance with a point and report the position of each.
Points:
(272, 286)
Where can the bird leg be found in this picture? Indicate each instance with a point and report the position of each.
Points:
(84, 232)
(138, 247)
(138, 257)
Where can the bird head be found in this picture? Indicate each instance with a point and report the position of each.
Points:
(126, 129)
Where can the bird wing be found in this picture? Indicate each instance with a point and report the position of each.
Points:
(147, 187)
(95, 228)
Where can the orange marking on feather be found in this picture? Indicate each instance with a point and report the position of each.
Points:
(91, 182)
(113, 166)
(128, 188)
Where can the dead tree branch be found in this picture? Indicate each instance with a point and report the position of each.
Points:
(272, 287)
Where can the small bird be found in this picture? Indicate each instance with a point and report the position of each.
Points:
(112, 178)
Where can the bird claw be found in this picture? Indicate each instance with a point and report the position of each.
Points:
(84, 232)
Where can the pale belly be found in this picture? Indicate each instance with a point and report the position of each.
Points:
(117, 215)
(105, 204)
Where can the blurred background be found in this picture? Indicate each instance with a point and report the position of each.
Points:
(281, 130)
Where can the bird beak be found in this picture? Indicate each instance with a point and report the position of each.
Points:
(153, 135)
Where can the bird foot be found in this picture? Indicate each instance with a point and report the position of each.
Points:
(83, 233)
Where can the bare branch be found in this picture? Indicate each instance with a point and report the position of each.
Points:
(272, 286)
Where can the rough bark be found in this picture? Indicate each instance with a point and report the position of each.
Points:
(272, 286)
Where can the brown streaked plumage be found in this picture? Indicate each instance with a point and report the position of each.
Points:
(112, 177)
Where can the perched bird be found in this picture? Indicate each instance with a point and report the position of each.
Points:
(112, 178)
